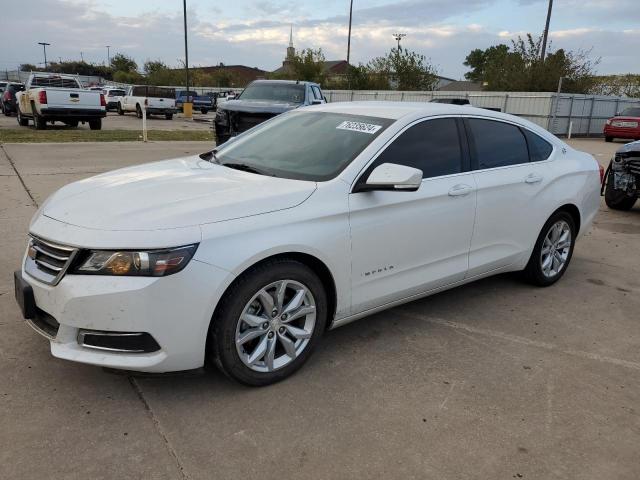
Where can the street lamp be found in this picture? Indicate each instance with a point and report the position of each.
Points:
(398, 37)
(187, 104)
(44, 47)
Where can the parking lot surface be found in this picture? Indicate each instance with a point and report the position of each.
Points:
(492, 380)
(129, 121)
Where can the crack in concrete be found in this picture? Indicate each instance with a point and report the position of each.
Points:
(158, 427)
(524, 341)
(24, 185)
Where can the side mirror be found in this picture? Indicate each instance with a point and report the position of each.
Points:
(391, 176)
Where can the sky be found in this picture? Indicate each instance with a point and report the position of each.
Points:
(256, 32)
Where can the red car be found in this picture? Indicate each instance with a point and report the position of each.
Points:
(623, 125)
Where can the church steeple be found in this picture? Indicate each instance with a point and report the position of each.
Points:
(291, 51)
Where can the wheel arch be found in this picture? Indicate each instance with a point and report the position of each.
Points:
(572, 210)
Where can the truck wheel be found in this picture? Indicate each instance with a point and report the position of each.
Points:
(95, 124)
(23, 122)
(120, 110)
(38, 122)
(138, 111)
(204, 111)
(617, 199)
(168, 116)
(608, 139)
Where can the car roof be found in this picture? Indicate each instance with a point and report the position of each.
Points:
(396, 110)
(289, 82)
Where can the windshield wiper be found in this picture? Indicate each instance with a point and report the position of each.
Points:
(247, 168)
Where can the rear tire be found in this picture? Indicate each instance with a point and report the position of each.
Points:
(120, 110)
(138, 111)
(244, 299)
(204, 111)
(608, 139)
(617, 199)
(552, 253)
(23, 122)
(169, 116)
(95, 124)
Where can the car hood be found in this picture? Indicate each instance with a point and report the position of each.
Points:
(257, 106)
(172, 194)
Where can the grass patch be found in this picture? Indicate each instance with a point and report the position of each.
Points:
(29, 135)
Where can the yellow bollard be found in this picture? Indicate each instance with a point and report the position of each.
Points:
(187, 109)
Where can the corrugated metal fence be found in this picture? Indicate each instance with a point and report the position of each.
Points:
(585, 114)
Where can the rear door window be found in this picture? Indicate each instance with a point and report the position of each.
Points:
(539, 148)
(497, 144)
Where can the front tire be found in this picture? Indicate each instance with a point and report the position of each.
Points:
(168, 116)
(608, 139)
(268, 322)
(138, 111)
(553, 250)
(95, 124)
(617, 199)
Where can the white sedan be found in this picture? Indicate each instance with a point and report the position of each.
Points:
(245, 255)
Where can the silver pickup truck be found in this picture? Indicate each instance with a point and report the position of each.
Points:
(49, 98)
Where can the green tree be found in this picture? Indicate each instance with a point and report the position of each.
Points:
(308, 65)
(402, 69)
(28, 67)
(122, 63)
(477, 61)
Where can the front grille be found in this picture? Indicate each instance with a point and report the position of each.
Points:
(47, 261)
(244, 121)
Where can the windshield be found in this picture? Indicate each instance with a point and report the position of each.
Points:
(304, 145)
(116, 93)
(631, 112)
(274, 92)
(184, 93)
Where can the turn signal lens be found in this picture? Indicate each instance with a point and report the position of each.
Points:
(152, 263)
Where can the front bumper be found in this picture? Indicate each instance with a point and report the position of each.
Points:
(175, 311)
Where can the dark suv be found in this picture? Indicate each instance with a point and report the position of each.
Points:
(261, 100)
(8, 98)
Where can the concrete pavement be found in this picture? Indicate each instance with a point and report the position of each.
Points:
(495, 379)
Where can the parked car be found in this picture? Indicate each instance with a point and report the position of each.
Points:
(245, 255)
(261, 100)
(113, 95)
(203, 103)
(623, 125)
(154, 100)
(621, 184)
(49, 98)
(8, 98)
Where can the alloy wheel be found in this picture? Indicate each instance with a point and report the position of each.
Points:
(555, 249)
(275, 326)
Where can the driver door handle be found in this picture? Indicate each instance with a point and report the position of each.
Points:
(460, 190)
(533, 178)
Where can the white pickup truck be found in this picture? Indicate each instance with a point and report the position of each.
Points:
(153, 100)
(59, 98)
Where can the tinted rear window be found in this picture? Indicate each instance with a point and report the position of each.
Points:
(539, 148)
(116, 93)
(15, 88)
(497, 144)
(153, 92)
(631, 112)
(55, 82)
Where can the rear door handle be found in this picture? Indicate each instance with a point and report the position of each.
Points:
(533, 178)
(460, 190)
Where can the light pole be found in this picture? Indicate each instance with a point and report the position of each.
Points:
(187, 104)
(398, 37)
(44, 47)
(349, 37)
(546, 31)
(108, 55)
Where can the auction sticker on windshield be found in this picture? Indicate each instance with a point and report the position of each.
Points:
(369, 128)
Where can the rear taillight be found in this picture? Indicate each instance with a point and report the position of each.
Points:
(601, 174)
(103, 102)
(42, 97)
(608, 122)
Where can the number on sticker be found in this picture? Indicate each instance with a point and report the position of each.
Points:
(359, 127)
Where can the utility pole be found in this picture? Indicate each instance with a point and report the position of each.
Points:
(187, 104)
(108, 55)
(349, 38)
(81, 57)
(546, 31)
(398, 37)
(44, 47)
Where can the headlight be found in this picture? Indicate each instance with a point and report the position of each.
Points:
(149, 263)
